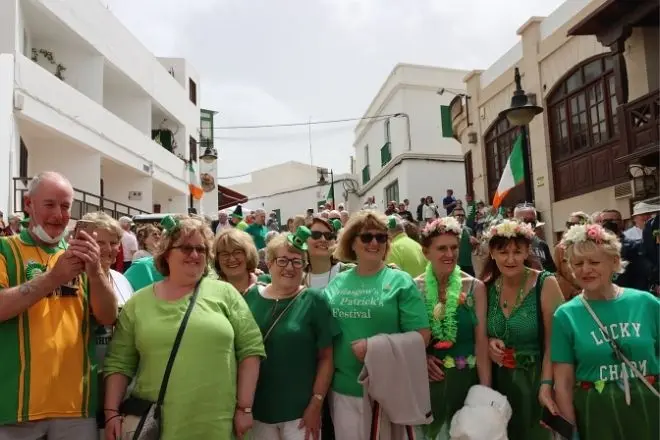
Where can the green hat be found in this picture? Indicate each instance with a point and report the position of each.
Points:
(336, 224)
(238, 212)
(169, 224)
(392, 222)
(299, 239)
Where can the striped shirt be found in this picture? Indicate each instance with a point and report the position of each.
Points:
(48, 366)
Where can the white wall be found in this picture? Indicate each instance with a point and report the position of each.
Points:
(8, 130)
(8, 31)
(281, 177)
(118, 181)
(136, 110)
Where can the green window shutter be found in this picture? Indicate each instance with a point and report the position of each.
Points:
(445, 118)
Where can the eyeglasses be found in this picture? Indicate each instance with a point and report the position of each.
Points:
(236, 254)
(316, 235)
(297, 263)
(368, 237)
(188, 249)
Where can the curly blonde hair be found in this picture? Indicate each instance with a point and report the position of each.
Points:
(581, 240)
(187, 226)
(361, 221)
(103, 221)
(234, 239)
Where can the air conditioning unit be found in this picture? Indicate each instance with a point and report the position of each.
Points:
(624, 191)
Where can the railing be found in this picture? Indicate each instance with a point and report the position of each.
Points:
(642, 122)
(385, 154)
(83, 202)
(366, 177)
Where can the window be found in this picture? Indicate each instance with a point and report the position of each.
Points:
(445, 120)
(499, 141)
(582, 110)
(23, 160)
(392, 192)
(192, 144)
(387, 130)
(192, 91)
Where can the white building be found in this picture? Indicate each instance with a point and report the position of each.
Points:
(404, 146)
(292, 187)
(79, 94)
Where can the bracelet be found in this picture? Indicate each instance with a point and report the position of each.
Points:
(546, 382)
(113, 417)
(111, 410)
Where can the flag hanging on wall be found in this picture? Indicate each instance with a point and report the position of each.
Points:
(195, 185)
(513, 173)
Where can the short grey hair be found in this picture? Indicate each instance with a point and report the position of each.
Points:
(517, 209)
(259, 211)
(399, 224)
(42, 177)
(270, 235)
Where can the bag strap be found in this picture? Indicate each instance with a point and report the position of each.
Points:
(177, 344)
(616, 348)
(286, 309)
(540, 324)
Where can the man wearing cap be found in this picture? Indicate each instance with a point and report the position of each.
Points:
(129, 242)
(642, 212)
(404, 252)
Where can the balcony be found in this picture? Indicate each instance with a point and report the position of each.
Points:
(83, 202)
(641, 130)
(366, 177)
(385, 154)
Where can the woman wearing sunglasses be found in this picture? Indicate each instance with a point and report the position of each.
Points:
(366, 300)
(322, 266)
(298, 330)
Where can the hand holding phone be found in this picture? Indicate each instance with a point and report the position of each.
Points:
(84, 225)
(558, 424)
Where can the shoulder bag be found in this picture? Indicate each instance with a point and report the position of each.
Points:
(620, 356)
(142, 418)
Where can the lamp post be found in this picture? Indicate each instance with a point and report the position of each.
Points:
(519, 114)
(323, 173)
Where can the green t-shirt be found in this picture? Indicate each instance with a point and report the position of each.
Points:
(258, 233)
(143, 273)
(465, 249)
(387, 302)
(631, 320)
(201, 394)
(286, 376)
(407, 254)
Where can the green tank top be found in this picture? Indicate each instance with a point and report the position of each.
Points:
(520, 330)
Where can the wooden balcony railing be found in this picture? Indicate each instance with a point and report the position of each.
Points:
(83, 202)
(641, 126)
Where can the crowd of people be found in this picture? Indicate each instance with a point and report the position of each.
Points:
(456, 323)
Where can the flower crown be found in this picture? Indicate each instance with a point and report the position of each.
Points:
(444, 225)
(510, 229)
(583, 233)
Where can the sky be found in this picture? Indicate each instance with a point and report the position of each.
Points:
(289, 61)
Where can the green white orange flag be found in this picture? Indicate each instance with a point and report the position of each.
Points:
(331, 195)
(513, 173)
(195, 185)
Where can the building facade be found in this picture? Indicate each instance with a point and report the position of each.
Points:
(291, 188)
(600, 101)
(404, 145)
(79, 94)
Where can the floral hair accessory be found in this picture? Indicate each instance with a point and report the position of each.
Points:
(299, 239)
(444, 225)
(169, 224)
(510, 229)
(582, 233)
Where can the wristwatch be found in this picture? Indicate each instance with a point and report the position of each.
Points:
(246, 410)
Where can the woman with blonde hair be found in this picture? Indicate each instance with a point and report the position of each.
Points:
(565, 278)
(298, 330)
(605, 345)
(456, 306)
(215, 370)
(236, 259)
(521, 302)
(147, 238)
(366, 300)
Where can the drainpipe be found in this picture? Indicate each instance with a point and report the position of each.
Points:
(405, 115)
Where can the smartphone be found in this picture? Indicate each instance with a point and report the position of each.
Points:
(558, 424)
(84, 225)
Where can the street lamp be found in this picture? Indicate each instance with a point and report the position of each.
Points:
(209, 155)
(519, 114)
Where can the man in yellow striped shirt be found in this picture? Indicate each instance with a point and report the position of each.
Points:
(52, 297)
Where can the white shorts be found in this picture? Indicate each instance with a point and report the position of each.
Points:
(277, 431)
(347, 416)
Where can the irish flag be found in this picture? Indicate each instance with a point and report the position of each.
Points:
(331, 195)
(513, 173)
(195, 185)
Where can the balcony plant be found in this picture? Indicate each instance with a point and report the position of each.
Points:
(48, 55)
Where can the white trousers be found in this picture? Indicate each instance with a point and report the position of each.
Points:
(277, 431)
(347, 416)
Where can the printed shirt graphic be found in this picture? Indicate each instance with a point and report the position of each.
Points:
(631, 320)
(48, 356)
(387, 302)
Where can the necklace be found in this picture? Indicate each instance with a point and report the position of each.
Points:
(521, 290)
(443, 316)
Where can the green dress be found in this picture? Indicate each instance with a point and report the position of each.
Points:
(633, 321)
(448, 395)
(519, 384)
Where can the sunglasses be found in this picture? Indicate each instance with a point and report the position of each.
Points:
(368, 237)
(188, 249)
(316, 235)
(297, 263)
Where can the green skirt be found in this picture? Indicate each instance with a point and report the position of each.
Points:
(447, 397)
(606, 416)
(521, 388)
